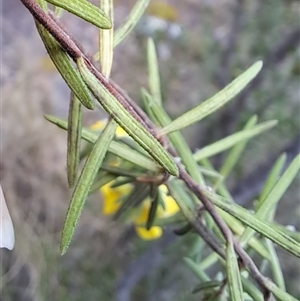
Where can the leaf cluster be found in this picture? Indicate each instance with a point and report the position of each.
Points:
(157, 153)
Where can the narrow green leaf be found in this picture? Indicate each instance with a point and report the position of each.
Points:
(106, 40)
(215, 102)
(238, 228)
(155, 201)
(121, 170)
(196, 269)
(105, 94)
(64, 66)
(58, 11)
(272, 178)
(153, 72)
(118, 149)
(251, 289)
(175, 219)
(136, 196)
(264, 228)
(132, 19)
(43, 4)
(228, 142)
(177, 139)
(210, 173)
(278, 293)
(84, 184)
(233, 274)
(219, 185)
(120, 181)
(102, 179)
(235, 154)
(183, 229)
(209, 261)
(73, 139)
(206, 285)
(147, 101)
(85, 10)
(288, 231)
(182, 199)
(275, 266)
(274, 196)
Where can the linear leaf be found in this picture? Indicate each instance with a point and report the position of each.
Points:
(275, 265)
(84, 184)
(106, 37)
(64, 66)
(238, 228)
(274, 196)
(199, 272)
(178, 141)
(118, 149)
(106, 95)
(265, 228)
(155, 201)
(101, 179)
(73, 139)
(215, 102)
(85, 10)
(131, 20)
(153, 72)
(251, 289)
(206, 285)
(236, 152)
(233, 274)
(279, 293)
(272, 178)
(226, 143)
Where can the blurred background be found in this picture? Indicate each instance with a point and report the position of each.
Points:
(202, 46)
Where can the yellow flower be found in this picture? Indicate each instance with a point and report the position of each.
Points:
(99, 125)
(140, 215)
(111, 196)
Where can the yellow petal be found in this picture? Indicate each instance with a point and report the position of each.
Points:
(152, 233)
(99, 125)
(111, 196)
(120, 132)
(171, 206)
(142, 213)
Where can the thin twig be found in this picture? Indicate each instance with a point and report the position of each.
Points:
(57, 32)
(246, 259)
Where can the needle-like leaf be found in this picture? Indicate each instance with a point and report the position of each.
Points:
(64, 66)
(84, 184)
(131, 20)
(118, 149)
(233, 274)
(105, 96)
(226, 143)
(85, 10)
(153, 72)
(215, 102)
(73, 139)
(274, 196)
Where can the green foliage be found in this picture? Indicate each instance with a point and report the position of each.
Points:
(156, 156)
